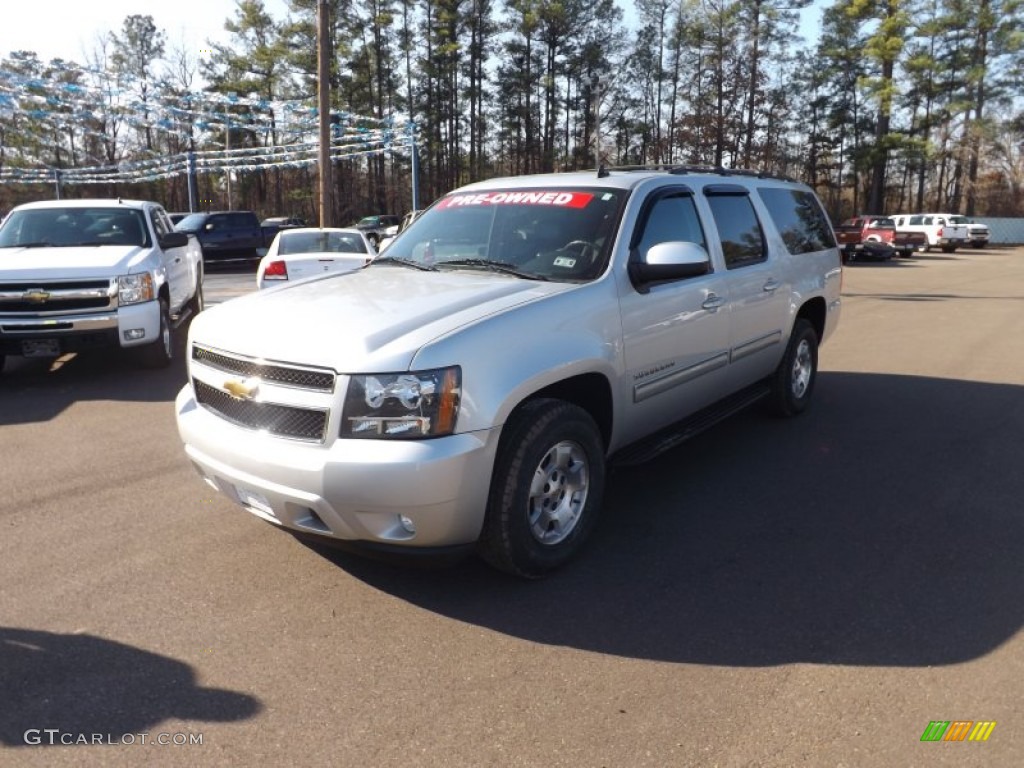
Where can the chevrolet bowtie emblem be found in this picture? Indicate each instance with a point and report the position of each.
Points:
(36, 296)
(242, 389)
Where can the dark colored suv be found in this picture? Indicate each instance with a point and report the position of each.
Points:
(225, 234)
(373, 226)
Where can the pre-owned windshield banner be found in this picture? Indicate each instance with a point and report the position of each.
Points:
(556, 199)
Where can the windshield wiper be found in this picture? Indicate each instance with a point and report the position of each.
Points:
(404, 263)
(494, 266)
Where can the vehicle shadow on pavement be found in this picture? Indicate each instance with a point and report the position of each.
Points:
(37, 389)
(82, 686)
(882, 527)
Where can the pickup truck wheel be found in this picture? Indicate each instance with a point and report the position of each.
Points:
(546, 490)
(159, 353)
(948, 248)
(197, 302)
(793, 381)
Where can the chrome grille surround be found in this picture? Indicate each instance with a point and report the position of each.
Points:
(283, 374)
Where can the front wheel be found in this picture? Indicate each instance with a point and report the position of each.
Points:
(547, 488)
(793, 381)
(160, 352)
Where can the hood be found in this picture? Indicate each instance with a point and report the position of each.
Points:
(373, 319)
(71, 262)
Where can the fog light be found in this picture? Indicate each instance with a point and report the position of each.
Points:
(134, 334)
(407, 524)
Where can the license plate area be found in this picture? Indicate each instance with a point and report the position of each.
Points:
(256, 503)
(40, 348)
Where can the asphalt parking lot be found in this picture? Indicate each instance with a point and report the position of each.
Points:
(811, 592)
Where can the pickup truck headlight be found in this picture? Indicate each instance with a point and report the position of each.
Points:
(134, 289)
(402, 406)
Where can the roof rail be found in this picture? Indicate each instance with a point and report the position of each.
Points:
(681, 170)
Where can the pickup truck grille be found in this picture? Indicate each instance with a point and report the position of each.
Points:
(317, 379)
(280, 420)
(56, 296)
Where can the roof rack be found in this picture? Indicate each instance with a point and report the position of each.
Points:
(681, 170)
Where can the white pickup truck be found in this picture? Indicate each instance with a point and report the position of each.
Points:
(940, 228)
(81, 274)
(469, 386)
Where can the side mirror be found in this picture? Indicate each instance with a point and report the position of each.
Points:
(174, 240)
(674, 260)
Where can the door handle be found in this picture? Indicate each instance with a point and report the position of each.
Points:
(713, 301)
(771, 285)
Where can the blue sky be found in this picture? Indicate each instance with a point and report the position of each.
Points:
(70, 28)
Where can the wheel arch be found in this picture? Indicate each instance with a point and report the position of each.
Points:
(590, 391)
(814, 310)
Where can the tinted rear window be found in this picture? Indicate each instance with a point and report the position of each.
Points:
(799, 219)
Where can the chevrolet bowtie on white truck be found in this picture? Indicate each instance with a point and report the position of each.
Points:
(80, 274)
(469, 387)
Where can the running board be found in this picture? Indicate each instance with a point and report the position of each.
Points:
(668, 438)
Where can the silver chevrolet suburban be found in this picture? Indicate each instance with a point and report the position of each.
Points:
(469, 388)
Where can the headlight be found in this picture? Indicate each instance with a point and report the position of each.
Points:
(402, 406)
(132, 289)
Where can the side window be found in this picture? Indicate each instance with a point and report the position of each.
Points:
(161, 224)
(798, 219)
(673, 217)
(742, 238)
(917, 220)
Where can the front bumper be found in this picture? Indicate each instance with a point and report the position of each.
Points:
(77, 332)
(354, 490)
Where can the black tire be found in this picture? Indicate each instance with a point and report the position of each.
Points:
(551, 457)
(792, 384)
(197, 303)
(159, 353)
(948, 248)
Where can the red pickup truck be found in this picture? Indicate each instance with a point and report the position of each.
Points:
(876, 237)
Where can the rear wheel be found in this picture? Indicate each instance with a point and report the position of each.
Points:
(197, 302)
(160, 352)
(793, 381)
(546, 490)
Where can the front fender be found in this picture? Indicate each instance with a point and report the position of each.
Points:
(507, 357)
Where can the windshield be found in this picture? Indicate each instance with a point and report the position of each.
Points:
(65, 227)
(191, 223)
(959, 220)
(555, 234)
(320, 242)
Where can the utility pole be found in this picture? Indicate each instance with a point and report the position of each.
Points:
(323, 49)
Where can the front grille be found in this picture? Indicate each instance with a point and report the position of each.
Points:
(63, 296)
(279, 420)
(301, 377)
